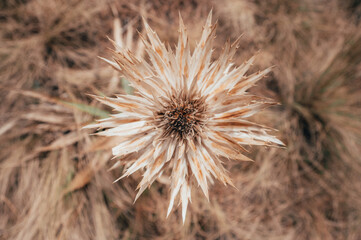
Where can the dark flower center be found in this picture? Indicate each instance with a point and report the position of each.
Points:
(182, 118)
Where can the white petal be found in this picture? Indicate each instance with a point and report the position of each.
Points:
(132, 145)
(185, 196)
(199, 172)
(141, 162)
(179, 172)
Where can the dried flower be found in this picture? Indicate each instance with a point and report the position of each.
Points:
(188, 113)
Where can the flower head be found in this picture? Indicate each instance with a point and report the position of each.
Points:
(187, 115)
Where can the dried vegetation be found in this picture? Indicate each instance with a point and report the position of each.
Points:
(54, 182)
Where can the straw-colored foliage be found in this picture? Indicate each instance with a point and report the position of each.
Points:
(54, 178)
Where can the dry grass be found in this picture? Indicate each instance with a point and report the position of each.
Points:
(54, 182)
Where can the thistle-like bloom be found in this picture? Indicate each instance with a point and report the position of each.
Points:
(188, 113)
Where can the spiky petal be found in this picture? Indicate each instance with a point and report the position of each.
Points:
(188, 113)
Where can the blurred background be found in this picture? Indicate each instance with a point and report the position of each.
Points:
(54, 178)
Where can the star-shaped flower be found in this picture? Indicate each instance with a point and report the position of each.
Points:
(188, 114)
